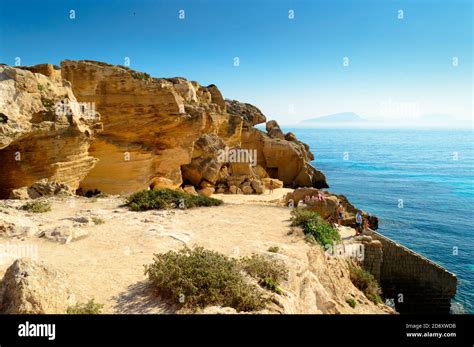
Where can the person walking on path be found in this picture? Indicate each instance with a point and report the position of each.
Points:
(340, 209)
(358, 223)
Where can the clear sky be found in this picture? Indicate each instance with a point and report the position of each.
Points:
(291, 68)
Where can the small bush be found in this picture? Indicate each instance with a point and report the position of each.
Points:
(198, 278)
(270, 284)
(314, 225)
(267, 271)
(352, 303)
(274, 249)
(365, 282)
(141, 75)
(89, 307)
(40, 87)
(37, 206)
(300, 217)
(97, 220)
(48, 103)
(167, 198)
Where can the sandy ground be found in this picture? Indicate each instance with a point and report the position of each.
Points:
(108, 264)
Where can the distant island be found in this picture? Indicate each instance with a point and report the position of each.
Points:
(334, 118)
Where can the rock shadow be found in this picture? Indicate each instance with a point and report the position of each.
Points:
(141, 298)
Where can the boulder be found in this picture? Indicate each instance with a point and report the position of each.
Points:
(247, 189)
(258, 186)
(208, 191)
(20, 194)
(272, 183)
(190, 190)
(30, 287)
(234, 190)
(64, 234)
(163, 183)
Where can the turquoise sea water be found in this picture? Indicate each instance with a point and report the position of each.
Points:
(430, 171)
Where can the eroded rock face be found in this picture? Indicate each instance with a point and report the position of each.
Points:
(41, 135)
(286, 160)
(150, 124)
(152, 133)
(30, 287)
(250, 114)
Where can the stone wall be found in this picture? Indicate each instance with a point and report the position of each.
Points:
(415, 283)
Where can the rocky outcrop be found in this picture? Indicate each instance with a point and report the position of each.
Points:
(41, 188)
(30, 287)
(42, 134)
(286, 160)
(150, 125)
(325, 203)
(152, 133)
(249, 113)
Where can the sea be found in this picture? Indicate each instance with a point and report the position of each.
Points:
(418, 182)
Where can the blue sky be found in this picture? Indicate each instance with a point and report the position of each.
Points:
(291, 68)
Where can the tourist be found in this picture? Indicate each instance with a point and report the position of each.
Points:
(271, 187)
(366, 225)
(321, 196)
(358, 223)
(340, 209)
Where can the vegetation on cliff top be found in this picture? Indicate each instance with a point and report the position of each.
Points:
(365, 282)
(268, 271)
(198, 278)
(90, 307)
(313, 225)
(167, 198)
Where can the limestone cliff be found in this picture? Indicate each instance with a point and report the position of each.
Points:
(157, 132)
(150, 124)
(41, 134)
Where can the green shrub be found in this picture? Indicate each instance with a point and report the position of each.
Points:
(314, 225)
(97, 220)
(40, 87)
(48, 103)
(167, 198)
(365, 282)
(352, 303)
(299, 216)
(141, 75)
(270, 284)
(274, 249)
(37, 206)
(268, 271)
(198, 278)
(89, 307)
